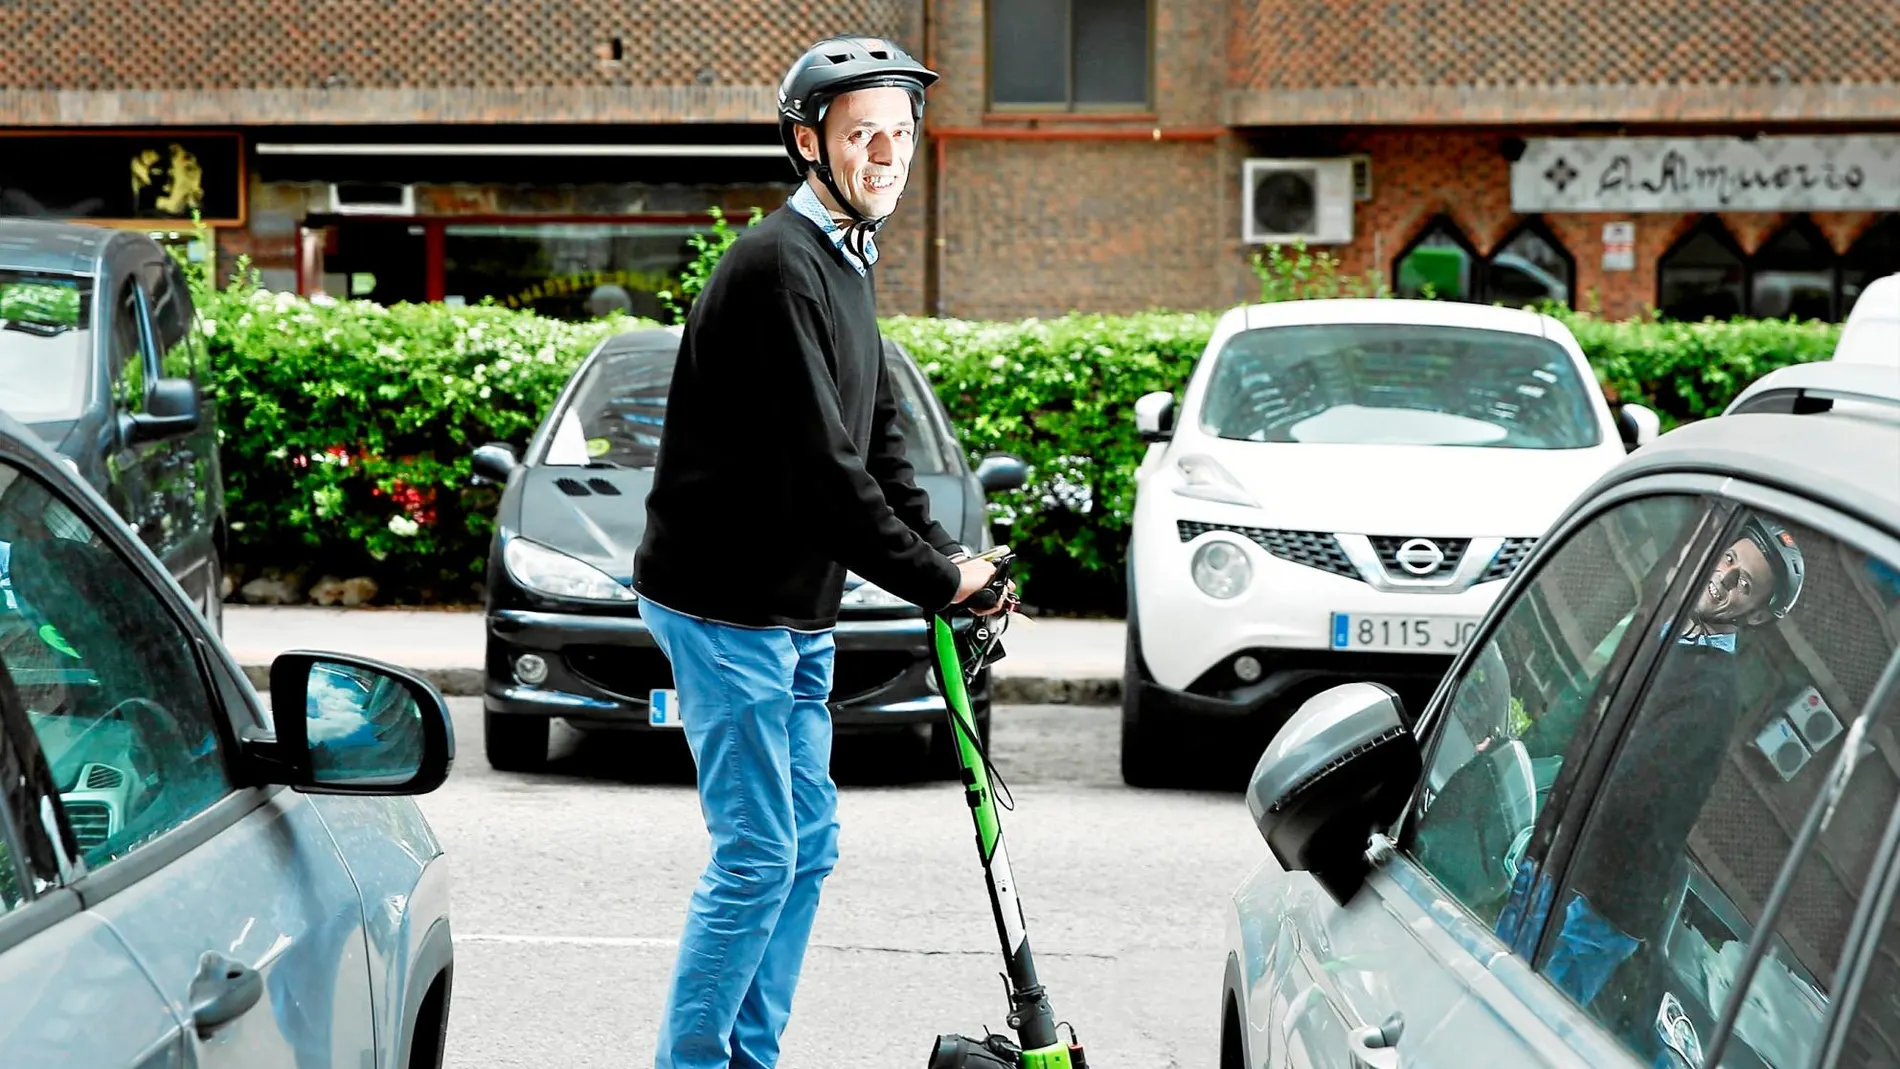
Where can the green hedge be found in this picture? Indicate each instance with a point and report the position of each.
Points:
(347, 426)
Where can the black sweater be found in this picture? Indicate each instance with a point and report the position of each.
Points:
(780, 463)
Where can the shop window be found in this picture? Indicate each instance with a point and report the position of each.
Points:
(1793, 274)
(573, 271)
(1060, 55)
(1530, 266)
(1703, 274)
(1440, 260)
(1875, 254)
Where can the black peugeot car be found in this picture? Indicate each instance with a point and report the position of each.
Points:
(101, 354)
(565, 638)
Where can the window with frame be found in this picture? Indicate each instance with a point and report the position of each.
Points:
(1512, 716)
(1441, 263)
(110, 679)
(1724, 755)
(1063, 55)
(127, 355)
(1794, 274)
(1703, 275)
(1529, 267)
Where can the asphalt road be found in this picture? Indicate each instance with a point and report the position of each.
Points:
(571, 887)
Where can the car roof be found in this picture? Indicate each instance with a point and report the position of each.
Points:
(643, 338)
(1848, 463)
(48, 245)
(1797, 386)
(1392, 310)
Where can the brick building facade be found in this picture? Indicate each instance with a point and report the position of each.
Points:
(1112, 155)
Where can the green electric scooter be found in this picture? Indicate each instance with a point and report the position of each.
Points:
(965, 643)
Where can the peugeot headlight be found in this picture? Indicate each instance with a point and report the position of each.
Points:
(549, 571)
(1221, 569)
(1203, 477)
(863, 594)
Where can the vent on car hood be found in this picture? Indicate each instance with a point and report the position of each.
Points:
(603, 487)
(572, 487)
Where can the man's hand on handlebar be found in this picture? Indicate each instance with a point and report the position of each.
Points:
(979, 573)
(976, 575)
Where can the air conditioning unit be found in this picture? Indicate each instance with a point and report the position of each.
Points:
(1811, 716)
(372, 198)
(1297, 200)
(1781, 744)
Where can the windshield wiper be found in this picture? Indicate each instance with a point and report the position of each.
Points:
(43, 330)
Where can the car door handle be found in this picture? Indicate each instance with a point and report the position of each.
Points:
(222, 991)
(1377, 1046)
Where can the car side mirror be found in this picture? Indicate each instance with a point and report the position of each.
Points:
(351, 725)
(1154, 416)
(1638, 424)
(494, 462)
(1000, 471)
(172, 409)
(1341, 768)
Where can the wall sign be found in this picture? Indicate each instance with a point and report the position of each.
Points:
(1707, 174)
(147, 176)
(1619, 246)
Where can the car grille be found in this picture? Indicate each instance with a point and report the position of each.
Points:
(1509, 557)
(91, 821)
(1387, 547)
(1311, 548)
(634, 672)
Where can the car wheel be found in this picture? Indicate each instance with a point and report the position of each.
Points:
(515, 743)
(212, 602)
(942, 759)
(1151, 755)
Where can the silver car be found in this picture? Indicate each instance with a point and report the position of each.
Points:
(1651, 817)
(186, 880)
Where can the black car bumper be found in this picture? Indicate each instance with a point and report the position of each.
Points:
(1288, 678)
(602, 670)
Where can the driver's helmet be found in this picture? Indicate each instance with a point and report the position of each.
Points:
(1784, 560)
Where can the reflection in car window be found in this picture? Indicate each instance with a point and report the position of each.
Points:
(109, 679)
(45, 345)
(619, 404)
(1399, 384)
(1512, 716)
(1724, 755)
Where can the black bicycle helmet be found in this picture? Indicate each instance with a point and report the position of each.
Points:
(1784, 560)
(825, 72)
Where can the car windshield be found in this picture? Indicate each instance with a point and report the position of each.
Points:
(1399, 384)
(45, 339)
(617, 408)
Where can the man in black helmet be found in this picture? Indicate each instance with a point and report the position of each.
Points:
(780, 465)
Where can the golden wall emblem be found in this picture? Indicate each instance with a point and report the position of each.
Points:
(169, 183)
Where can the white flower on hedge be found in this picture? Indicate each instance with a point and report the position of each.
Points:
(403, 526)
(209, 326)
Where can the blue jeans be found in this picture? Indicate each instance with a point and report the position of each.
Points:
(752, 705)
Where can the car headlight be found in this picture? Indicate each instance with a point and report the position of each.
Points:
(1221, 569)
(863, 594)
(549, 571)
(1203, 477)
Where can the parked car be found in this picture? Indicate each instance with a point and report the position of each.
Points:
(1871, 334)
(1649, 817)
(565, 638)
(1343, 492)
(187, 876)
(102, 355)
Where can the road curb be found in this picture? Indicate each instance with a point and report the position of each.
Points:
(1005, 690)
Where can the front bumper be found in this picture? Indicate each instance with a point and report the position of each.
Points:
(1288, 677)
(602, 670)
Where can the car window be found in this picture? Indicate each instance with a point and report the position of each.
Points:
(126, 359)
(1511, 717)
(1724, 754)
(45, 345)
(109, 678)
(13, 878)
(1399, 384)
(173, 321)
(616, 410)
(924, 445)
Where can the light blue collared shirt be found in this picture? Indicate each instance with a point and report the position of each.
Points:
(806, 203)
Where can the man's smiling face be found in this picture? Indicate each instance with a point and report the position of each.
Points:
(870, 136)
(1738, 591)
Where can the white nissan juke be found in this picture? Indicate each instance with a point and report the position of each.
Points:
(1339, 495)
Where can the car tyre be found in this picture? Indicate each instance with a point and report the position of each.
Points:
(515, 743)
(1151, 755)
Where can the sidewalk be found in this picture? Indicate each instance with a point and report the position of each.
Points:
(1047, 660)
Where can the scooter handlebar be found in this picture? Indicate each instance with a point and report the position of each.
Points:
(995, 590)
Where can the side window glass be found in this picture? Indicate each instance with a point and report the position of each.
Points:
(108, 677)
(1724, 755)
(127, 358)
(173, 323)
(1512, 716)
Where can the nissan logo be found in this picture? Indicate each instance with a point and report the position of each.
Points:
(1420, 556)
